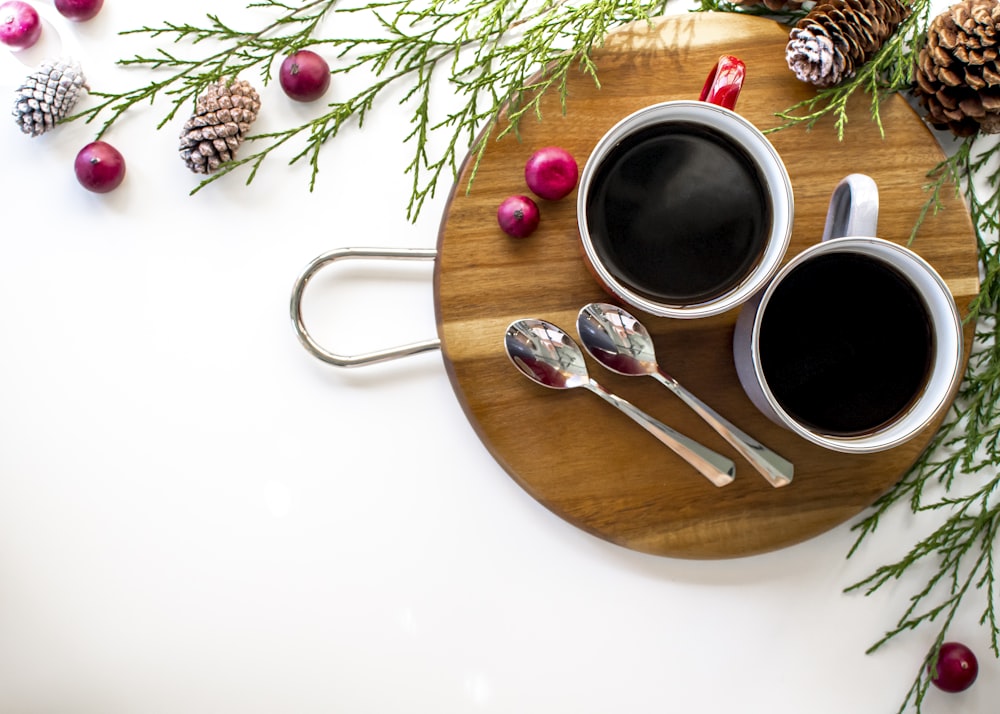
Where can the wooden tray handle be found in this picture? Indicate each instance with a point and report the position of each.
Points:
(338, 360)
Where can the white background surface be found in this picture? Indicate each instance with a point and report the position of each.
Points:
(198, 517)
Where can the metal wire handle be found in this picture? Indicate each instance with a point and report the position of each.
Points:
(325, 259)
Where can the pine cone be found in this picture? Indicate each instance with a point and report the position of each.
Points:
(222, 118)
(957, 75)
(837, 37)
(48, 95)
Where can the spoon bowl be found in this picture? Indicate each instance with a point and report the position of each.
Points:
(621, 343)
(548, 356)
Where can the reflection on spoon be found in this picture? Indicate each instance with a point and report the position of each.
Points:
(549, 356)
(620, 342)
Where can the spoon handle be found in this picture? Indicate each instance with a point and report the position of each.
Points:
(717, 468)
(776, 469)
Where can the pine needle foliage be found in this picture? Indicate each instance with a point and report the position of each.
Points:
(954, 487)
(955, 484)
(490, 53)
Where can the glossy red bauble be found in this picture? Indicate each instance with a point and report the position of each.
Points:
(99, 167)
(79, 10)
(957, 668)
(20, 25)
(305, 76)
(518, 216)
(551, 173)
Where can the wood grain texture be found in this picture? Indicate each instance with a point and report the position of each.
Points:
(585, 461)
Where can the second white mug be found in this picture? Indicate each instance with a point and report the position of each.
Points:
(856, 344)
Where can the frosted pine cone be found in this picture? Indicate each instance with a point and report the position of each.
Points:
(837, 37)
(222, 118)
(48, 95)
(958, 71)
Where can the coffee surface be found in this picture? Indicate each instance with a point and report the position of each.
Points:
(679, 213)
(845, 343)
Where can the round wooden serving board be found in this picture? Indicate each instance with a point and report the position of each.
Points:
(574, 453)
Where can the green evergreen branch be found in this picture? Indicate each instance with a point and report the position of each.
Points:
(188, 78)
(965, 452)
(500, 56)
(963, 456)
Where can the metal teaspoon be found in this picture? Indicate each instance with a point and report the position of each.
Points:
(621, 343)
(550, 357)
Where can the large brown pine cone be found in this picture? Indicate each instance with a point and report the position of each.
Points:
(222, 118)
(957, 75)
(830, 43)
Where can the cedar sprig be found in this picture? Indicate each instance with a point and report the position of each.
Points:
(956, 481)
(239, 51)
(964, 455)
(491, 53)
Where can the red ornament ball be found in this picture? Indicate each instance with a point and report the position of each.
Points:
(79, 10)
(551, 173)
(20, 25)
(100, 167)
(957, 668)
(305, 76)
(518, 216)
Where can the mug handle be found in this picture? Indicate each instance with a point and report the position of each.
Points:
(853, 208)
(724, 82)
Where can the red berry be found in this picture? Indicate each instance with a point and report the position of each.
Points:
(518, 216)
(551, 173)
(20, 26)
(100, 167)
(79, 10)
(957, 668)
(305, 76)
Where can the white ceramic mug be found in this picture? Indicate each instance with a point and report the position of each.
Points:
(850, 230)
(711, 187)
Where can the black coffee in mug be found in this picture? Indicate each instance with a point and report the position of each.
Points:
(678, 212)
(845, 343)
